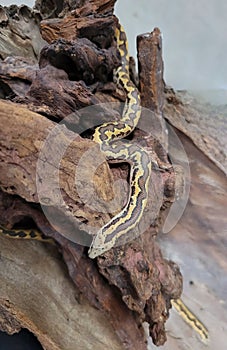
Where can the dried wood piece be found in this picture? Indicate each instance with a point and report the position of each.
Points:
(16, 76)
(53, 94)
(147, 282)
(151, 82)
(24, 185)
(195, 119)
(20, 25)
(8, 322)
(134, 269)
(49, 9)
(3, 16)
(36, 293)
(141, 293)
(81, 59)
(99, 30)
(20, 151)
(97, 7)
(20, 68)
(150, 63)
(79, 7)
(85, 276)
(199, 241)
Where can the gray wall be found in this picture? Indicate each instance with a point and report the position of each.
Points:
(194, 37)
(17, 2)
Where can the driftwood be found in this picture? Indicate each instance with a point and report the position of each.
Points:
(203, 123)
(128, 285)
(199, 239)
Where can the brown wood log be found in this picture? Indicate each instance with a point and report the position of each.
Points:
(71, 28)
(151, 82)
(129, 284)
(36, 293)
(23, 147)
(150, 61)
(79, 8)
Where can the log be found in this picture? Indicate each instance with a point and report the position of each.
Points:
(130, 284)
(198, 244)
(149, 48)
(30, 271)
(203, 123)
(23, 147)
(25, 43)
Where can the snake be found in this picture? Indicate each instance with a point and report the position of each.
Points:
(140, 173)
(106, 136)
(191, 319)
(30, 234)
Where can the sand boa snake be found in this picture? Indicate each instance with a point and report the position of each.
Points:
(105, 135)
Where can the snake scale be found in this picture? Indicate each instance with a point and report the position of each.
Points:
(105, 135)
(140, 164)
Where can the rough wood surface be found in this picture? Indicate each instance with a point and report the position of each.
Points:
(81, 59)
(138, 283)
(20, 25)
(15, 179)
(151, 84)
(204, 124)
(57, 8)
(127, 285)
(31, 272)
(86, 278)
(198, 244)
(71, 28)
(150, 62)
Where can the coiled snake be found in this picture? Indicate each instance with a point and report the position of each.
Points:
(105, 135)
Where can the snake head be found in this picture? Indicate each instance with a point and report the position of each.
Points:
(99, 246)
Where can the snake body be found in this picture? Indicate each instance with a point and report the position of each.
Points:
(106, 135)
(124, 222)
(25, 234)
(113, 130)
(191, 319)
